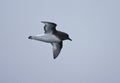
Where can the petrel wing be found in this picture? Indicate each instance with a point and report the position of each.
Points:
(49, 27)
(56, 49)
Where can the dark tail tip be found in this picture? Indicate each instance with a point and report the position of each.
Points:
(30, 37)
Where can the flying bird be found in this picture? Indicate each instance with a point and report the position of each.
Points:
(53, 36)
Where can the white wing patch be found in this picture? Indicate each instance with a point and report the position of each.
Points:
(56, 49)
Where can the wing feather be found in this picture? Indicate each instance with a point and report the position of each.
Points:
(56, 49)
(49, 27)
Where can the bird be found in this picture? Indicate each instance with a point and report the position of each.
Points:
(52, 36)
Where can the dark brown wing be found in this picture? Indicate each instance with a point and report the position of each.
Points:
(49, 27)
(56, 49)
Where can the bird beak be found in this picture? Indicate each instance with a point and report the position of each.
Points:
(69, 39)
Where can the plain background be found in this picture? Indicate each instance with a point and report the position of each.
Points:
(92, 57)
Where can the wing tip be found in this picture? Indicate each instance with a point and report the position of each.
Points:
(54, 57)
(49, 23)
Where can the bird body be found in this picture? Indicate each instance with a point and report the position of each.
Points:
(48, 38)
(51, 35)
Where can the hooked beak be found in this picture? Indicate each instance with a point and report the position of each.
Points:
(69, 39)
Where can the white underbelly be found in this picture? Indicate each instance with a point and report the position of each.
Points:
(49, 38)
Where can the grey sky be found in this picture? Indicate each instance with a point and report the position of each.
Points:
(92, 57)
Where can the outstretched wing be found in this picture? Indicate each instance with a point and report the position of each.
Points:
(49, 27)
(56, 49)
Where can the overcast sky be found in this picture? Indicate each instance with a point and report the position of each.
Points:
(92, 57)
